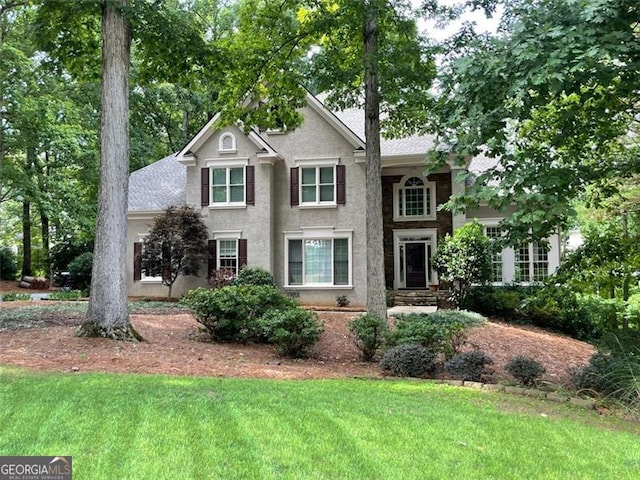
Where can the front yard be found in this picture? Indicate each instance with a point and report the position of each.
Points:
(139, 426)
(176, 345)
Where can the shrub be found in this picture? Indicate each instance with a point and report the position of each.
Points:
(464, 259)
(369, 331)
(499, 302)
(80, 270)
(8, 264)
(254, 276)
(292, 330)
(409, 360)
(15, 297)
(231, 312)
(613, 371)
(441, 332)
(472, 366)
(525, 370)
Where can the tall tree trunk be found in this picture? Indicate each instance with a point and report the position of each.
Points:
(44, 230)
(376, 299)
(45, 171)
(26, 239)
(107, 314)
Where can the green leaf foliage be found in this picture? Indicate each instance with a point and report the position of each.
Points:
(464, 259)
(553, 95)
(175, 245)
(231, 313)
(292, 330)
(369, 332)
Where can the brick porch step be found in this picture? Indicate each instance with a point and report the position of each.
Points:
(427, 298)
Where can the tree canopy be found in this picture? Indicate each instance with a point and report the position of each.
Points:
(554, 96)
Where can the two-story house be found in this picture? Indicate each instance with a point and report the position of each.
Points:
(293, 203)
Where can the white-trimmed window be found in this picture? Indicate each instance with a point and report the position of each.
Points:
(227, 186)
(228, 255)
(228, 183)
(414, 198)
(148, 275)
(320, 260)
(532, 263)
(227, 251)
(227, 143)
(493, 232)
(318, 182)
(317, 185)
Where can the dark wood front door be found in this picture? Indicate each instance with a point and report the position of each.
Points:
(416, 265)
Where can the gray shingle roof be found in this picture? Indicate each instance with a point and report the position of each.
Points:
(158, 186)
(163, 183)
(353, 118)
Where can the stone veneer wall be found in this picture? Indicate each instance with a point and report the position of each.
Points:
(443, 222)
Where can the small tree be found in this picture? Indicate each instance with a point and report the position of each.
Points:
(176, 245)
(464, 259)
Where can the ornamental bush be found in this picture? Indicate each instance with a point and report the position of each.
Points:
(291, 330)
(613, 371)
(441, 332)
(369, 332)
(231, 313)
(254, 276)
(525, 370)
(8, 264)
(464, 259)
(409, 360)
(80, 271)
(472, 366)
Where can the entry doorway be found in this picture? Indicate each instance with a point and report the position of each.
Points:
(415, 259)
(412, 258)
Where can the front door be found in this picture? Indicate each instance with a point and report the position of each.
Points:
(416, 264)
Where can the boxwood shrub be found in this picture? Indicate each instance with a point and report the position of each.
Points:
(231, 313)
(409, 360)
(440, 332)
(291, 330)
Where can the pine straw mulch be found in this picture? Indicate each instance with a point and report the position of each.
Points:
(176, 345)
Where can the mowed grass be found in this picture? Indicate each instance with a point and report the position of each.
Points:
(155, 427)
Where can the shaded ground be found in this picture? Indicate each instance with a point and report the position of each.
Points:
(176, 345)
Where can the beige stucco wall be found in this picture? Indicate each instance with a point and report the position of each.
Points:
(315, 139)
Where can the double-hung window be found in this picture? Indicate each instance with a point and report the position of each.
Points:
(532, 263)
(318, 262)
(227, 185)
(318, 185)
(493, 232)
(414, 198)
(228, 255)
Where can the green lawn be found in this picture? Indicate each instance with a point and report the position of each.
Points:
(153, 427)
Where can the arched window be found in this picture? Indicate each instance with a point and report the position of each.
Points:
(414, 199)
(227, 143)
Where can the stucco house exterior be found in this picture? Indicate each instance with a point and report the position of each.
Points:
(293, 204)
